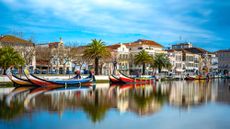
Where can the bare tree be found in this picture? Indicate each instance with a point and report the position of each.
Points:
(43, 55)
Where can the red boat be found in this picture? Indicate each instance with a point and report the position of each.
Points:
(124, 78)
(115, 80)
(189, 78)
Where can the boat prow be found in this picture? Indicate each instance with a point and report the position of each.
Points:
(16, 80)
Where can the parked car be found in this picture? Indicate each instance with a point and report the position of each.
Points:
(52, 72)
(44, 72)
(37, 71)
(69, 72)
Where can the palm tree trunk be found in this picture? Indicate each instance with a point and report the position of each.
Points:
(96, 65)
(4, 71)
(143, 69)
(159, 70)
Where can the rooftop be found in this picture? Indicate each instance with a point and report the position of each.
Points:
(194, 50)
(13, 40)
(144, 42)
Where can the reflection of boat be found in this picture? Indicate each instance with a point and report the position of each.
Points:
(127, 79)
(35, 92)
(16, 80)
(49, 83)
(15, 92)
(69, 89)
(126, 87)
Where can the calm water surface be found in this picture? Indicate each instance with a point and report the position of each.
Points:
(165, 105)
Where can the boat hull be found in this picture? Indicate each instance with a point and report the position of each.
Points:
(52, 83)
(127, 79)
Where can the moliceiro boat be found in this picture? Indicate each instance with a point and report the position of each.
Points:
(126, 79)
(16, 80)
(115, 79)
(50, 83)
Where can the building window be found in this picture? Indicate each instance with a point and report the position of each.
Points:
(140, 48)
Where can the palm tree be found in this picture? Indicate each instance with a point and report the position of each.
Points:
(143, 58)
(96, 50)
(161, 61)
(8, 57)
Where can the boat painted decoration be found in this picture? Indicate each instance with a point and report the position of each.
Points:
(48, 83)
(16, 80)
(115, 79)
(127, 79)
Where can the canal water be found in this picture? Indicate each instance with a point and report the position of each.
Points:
(163, 105)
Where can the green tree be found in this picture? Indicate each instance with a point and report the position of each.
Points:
(9, 57)
(143, 58)
(161, 61)
(96, 50)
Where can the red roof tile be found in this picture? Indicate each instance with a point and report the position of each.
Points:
(13, 40)
(145, 42)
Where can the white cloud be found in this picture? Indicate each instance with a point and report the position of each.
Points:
(154, 19)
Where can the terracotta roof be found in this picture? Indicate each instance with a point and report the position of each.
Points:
(13, 40)
(114, 46)
(193, 50)
(53, 44)
(196, 50)
(145, 42)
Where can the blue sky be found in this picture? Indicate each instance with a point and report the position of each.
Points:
(205, 23)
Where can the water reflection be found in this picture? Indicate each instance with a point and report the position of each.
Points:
(143, 100)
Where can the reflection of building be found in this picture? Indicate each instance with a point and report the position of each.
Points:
(223, 93)
(140, 99)
(186, 94)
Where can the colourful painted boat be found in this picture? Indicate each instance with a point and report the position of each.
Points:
(115, 79)
(16, 80)
(200, 77)
(126, 79)
(49, 83)
(189, 78)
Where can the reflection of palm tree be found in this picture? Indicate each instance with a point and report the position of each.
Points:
(97, 108)
(147, 103)
(8, 113)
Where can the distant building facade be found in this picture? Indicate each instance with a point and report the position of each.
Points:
(223, 61)
(182, 45)
(124, 53)
(196, 60)
(59, 59)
